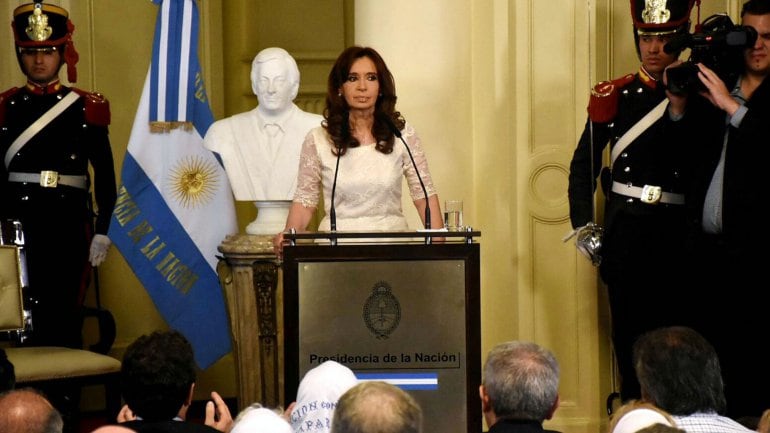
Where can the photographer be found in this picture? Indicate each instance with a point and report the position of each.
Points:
(730, 123)
(644, 215)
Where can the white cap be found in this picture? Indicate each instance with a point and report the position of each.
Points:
(638, 419)
(317, 396)
(261, 420)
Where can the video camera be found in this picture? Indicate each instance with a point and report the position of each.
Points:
(719, 45)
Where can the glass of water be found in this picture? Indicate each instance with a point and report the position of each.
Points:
(453, 215)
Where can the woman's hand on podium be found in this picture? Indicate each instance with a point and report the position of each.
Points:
(278, 245)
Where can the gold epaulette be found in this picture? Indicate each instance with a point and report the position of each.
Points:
(97, 107)
(603, 104)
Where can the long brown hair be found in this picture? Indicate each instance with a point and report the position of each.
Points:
(337, 111)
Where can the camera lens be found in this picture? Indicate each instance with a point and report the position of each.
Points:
(683, 79)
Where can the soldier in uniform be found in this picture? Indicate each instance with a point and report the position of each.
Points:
(49, 133)
(644, 214)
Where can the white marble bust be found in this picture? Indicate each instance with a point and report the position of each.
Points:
(260, 148)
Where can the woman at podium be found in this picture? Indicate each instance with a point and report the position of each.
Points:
(354, 159)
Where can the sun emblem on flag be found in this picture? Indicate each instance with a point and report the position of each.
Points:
(194, 181)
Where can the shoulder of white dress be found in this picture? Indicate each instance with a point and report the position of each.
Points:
(317, 133)
(409, 128)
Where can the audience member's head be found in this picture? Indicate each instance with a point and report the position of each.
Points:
(679, 371)
(636, 415)
(377, 407)
(521, 382)
(158, 375)
(317, 396)
(258, 419)
(26, 410)
(7, 372)
(660, 428)
(113, 429)
(763, 425)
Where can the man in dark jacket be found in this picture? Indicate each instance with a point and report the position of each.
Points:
(729, 122)
(520, 389)
(679, 373)
(157, 381)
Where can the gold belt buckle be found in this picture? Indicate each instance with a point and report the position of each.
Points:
(651, 194)
(49, 179)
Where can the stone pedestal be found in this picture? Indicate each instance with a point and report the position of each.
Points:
(271, 217)
(249, 273)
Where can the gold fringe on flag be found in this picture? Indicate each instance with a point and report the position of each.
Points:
(169, 126)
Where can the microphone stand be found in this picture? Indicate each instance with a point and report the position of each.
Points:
(332, 211)
(397, 133)
(422, 185)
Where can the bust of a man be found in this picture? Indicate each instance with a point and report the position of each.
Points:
(260, 148)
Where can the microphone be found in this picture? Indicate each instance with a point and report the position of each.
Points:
(397, 133)
(332, 212)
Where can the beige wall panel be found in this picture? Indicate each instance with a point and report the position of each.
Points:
(556, 302)
(9, 68)
(296, 25)
(494, 169)
(553, 53)
(563, 313)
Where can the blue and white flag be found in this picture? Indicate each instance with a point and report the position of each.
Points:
(406, 381)
(175, 205)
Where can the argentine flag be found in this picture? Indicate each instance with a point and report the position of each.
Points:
(174, 203)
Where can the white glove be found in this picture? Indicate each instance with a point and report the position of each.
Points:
(99, 246)
(589, 241)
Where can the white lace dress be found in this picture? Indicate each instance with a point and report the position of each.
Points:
(368, 193)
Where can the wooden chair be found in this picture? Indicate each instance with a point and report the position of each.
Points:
(49, 367)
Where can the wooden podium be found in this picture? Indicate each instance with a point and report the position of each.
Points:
(398, 306)
(249, 274)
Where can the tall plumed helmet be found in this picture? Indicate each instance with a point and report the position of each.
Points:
(660, 17)
(41, 25)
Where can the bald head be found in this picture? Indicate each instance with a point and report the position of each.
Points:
(379, 407)
(28, 411)
(113, 429)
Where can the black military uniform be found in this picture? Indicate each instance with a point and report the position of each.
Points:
(644, 213)
(45, 182)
